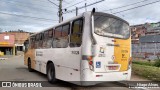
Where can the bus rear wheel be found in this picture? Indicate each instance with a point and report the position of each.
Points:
(29, 66)
(51, 73)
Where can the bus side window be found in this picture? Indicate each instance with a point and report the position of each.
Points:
(26, 44)
(45, 39)
(50, 37)
(37, 41)
(57, 37)
(32, 42)
(41, 37)
(64, 38)
(76, 33)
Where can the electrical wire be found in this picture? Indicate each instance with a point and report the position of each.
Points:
(83, 6)
(74, 4)
(37, 18)
(126, 5)
(137, 7)
(53, 3)
(24, 5)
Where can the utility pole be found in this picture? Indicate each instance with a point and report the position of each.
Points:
(86, 7)
(60, 11)
(76, 11)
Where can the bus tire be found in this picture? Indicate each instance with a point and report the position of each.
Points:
(51, 73)
(29, 66)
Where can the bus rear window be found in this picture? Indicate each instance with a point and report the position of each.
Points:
(109, 26)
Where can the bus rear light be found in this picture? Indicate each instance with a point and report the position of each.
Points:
(99, 75)
(90, 62)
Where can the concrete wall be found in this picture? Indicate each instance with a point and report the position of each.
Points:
(146, 50)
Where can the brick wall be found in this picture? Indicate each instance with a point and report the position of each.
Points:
(7, 39)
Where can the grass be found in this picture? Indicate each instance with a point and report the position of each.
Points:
(146, 70)
(143, 62)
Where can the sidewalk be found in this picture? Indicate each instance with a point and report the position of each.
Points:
(135, 77)
(5, 57)
(8, 56)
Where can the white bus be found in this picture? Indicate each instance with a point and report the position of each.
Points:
(93, 46)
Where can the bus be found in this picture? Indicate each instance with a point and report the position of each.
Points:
(92, 47)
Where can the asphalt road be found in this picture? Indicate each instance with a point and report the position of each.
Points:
(13, 69)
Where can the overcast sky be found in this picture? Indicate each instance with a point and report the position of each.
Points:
(46, 12)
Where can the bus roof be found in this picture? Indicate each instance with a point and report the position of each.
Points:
(59, 24)
(96, 13)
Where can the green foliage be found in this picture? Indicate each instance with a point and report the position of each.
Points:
(149, 72)
(147, 63)
(157, 63)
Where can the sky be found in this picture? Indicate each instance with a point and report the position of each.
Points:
(36, 15)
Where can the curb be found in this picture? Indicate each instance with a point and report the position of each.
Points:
(3, 58)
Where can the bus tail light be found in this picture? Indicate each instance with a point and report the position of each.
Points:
(99, 75)
(90, 61)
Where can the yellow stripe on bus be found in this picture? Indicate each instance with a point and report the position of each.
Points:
(122, 52)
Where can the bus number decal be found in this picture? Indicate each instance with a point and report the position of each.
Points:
(75, 52)
(39, 53)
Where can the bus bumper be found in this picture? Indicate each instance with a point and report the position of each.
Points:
(92, 78)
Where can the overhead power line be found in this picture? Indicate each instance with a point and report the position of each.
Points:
(25, 5)
(44, 19)
(38, 23)
(84, 6)
(74, 4)
(53, 3)
(137, 7)
(66, 2)
(126, 5)
(35, 4)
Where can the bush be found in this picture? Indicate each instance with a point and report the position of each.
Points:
(157, 63)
